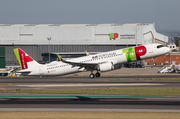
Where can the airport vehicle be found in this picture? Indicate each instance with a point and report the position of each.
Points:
(101, 62)
(175, 68)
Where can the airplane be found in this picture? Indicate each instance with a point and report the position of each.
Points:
(101, 62)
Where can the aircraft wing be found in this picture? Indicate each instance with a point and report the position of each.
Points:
(86, 65)
(87, 54)
(83, 64)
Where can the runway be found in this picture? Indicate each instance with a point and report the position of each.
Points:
(80, 103)
(28, 83)
(78, 79)
(90, 104)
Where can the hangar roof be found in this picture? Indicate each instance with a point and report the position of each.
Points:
(74, 24)
(79, 34)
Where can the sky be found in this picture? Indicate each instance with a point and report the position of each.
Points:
(164, 13)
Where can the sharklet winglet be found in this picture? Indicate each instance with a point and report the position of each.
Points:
(86, 53)
(59, 57)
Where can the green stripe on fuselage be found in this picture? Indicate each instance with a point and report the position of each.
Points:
(16, 51)
(130, 54)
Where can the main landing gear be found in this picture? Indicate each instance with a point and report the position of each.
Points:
(93, 76)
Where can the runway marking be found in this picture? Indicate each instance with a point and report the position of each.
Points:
(89, 109)
(95, 96)
(82, 85)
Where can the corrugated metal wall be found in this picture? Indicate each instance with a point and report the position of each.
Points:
(35, 51)
(2, 57)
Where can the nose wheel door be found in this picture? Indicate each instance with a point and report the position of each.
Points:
(150, 48)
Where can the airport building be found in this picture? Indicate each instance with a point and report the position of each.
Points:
(171, 58)
(70, 40)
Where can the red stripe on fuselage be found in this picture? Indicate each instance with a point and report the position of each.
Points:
(140, 51)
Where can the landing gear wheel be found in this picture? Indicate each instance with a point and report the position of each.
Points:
(91, 76)
(98, 74)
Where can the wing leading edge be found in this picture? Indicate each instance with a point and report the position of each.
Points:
(85, 65)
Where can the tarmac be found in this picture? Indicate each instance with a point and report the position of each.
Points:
(85, 102)
(148, 70)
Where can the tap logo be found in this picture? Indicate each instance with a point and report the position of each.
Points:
(113, 35)
(134, 53)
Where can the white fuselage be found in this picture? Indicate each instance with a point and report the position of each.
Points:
(116, 57)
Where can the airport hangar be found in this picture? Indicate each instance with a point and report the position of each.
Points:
(70, 40)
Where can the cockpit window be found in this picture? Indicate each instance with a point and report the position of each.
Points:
(160, 46)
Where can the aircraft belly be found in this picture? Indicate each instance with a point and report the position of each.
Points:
(122, 59)
(63, 70)
(34, 72)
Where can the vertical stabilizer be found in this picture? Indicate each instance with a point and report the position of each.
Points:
(24, 59)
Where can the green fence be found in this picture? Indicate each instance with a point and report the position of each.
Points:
(2, 57)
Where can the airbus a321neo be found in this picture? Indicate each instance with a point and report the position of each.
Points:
(100, 62)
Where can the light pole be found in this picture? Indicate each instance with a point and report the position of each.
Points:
(49, 47)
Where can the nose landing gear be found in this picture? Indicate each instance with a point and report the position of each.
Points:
(154, 64)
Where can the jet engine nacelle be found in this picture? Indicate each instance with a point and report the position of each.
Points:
(106, 66)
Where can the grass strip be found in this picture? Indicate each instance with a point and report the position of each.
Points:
(87, 115)
(144, 79)
(135, 91)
